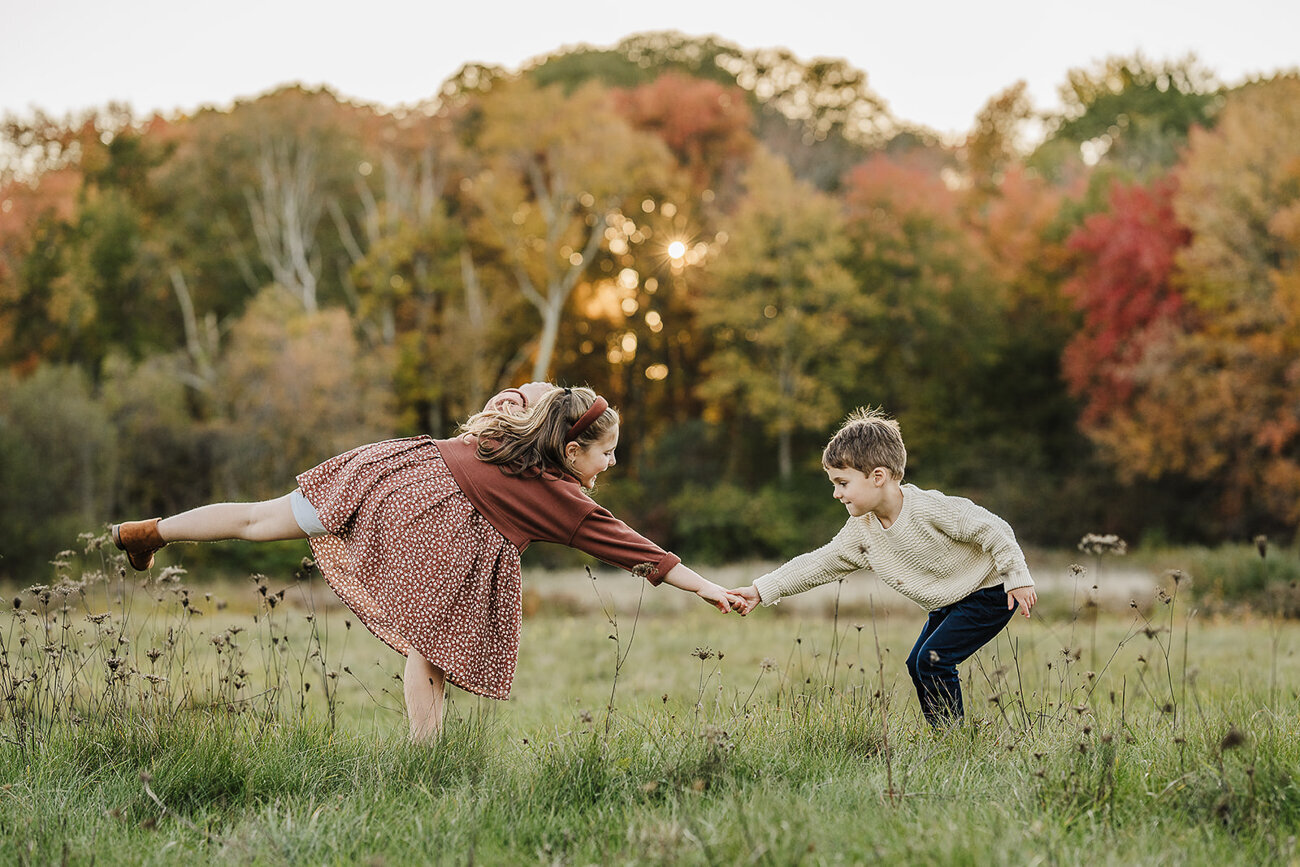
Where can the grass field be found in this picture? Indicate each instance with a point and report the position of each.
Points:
(180, 721)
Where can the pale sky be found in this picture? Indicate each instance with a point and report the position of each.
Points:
(934, 63)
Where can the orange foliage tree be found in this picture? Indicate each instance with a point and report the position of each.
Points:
(1216, 401)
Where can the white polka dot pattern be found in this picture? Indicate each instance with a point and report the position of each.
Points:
(417, 563)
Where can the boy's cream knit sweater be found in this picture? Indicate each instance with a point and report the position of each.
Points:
(940, 549)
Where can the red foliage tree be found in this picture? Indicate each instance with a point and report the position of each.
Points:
(1124, 287)
(706, 125)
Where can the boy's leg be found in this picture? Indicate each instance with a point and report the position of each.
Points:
(932, 623)
(965, 627)
(423, 686)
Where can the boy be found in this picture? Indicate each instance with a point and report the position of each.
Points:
(955, 559)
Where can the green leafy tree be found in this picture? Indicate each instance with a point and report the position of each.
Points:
(937, 315)
(56, 449)
(1128, 115)
(781, 308)
(557, 170)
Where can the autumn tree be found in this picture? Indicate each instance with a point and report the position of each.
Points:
(1214, 400)
(1124, 287)
(999, 139)
(939, 320)
(781, 306)
(73, 267)
(557, 170)
(1129, 115)
(288, 404)
(706, 126)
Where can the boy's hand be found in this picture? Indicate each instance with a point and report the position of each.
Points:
(749, 597)
(1026, 596)
(719, 598)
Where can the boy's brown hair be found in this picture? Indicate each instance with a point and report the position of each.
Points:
(867, 439)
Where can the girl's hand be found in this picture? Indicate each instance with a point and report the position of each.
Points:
(718, 597)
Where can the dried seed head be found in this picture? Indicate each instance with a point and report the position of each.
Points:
(1233, 739)
(1109, 543)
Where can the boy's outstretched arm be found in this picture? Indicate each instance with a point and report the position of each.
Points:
(1026, 596)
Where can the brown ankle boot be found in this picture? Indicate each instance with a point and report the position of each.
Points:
(139, 539)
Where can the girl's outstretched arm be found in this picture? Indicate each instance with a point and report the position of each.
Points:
(685, 578)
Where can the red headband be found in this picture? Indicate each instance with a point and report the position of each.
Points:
(598, 406)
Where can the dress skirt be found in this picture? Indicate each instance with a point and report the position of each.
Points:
(417, 563)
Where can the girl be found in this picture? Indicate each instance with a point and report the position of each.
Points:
(421, 537)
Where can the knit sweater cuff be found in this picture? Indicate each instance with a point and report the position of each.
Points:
(1017, 578)
(769, 590)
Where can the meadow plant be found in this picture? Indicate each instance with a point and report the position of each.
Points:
(101, 646)
(211, 725)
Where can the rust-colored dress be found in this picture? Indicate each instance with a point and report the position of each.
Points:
(426, 554)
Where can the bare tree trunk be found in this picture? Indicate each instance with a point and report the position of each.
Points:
(477, 326)
(204, 374)
(558, 288)
(784, 458)
(285, 211)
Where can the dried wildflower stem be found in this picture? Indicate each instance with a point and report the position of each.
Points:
(620, 650)
(884, 717)
(833, 658)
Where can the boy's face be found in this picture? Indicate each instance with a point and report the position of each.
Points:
(859, 492)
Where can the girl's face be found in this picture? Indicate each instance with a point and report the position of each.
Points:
(587, 462)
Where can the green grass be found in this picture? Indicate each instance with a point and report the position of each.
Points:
(1094, 735)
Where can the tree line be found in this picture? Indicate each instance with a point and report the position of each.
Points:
(1094, 333)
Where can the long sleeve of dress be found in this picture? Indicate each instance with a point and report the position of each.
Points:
(610, 540)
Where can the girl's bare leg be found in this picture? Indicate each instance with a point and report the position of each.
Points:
(423, 684)
(267, 521)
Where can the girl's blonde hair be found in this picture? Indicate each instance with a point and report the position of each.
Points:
(867, 439)
(532, 442)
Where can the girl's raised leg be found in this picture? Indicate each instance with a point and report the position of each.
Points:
(423, 684)
(267, 521)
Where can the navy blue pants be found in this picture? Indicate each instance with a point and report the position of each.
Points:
(951, 635)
